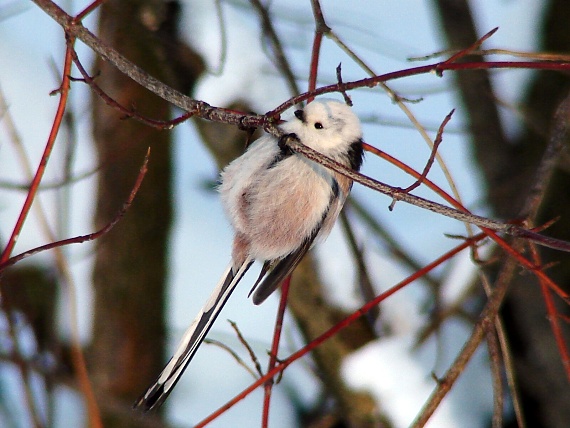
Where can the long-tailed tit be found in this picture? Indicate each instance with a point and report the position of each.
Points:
(279, 203)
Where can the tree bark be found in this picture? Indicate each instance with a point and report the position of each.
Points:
(508, 167)
(131, 272)
(544, 384)
(315, 315)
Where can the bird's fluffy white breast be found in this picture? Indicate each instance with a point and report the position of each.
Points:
(287, 205)
(275, 208)
(238, 176)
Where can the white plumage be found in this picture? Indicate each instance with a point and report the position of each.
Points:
(278, 202)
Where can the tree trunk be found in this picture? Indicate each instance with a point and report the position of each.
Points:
(131, 272)
(508, 168)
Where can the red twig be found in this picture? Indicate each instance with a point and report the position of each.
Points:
(429, 163)
(128, 112)
(491, 233)
(317, 41)
(341, 325)
(91, 236)
(267, 121)
(437, 68)
(553, 318)
(275, 349)
(64, 92)
(535, 269)
(470, 49)
(90, 8)
(321, 28)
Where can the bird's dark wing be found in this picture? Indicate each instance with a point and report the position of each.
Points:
(281, 270)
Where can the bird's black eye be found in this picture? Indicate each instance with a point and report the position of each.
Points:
(318, 125)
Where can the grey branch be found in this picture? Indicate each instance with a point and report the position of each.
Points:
(398, 194)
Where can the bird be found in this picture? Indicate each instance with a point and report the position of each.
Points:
(279, 204)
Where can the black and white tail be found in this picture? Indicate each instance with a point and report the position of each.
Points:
(192, 339)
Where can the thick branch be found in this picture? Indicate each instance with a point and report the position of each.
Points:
(206, 111)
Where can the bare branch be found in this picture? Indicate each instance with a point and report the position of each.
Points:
(429, 163)
(550, 158)
(205, 111)
(91, 236)
(280, 59)
(400, 195)
(200, 108)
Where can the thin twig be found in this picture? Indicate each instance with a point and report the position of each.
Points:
(84, 238)
(364, 281)
(128, 112)
(550, 159)
(437, 68)
(66, 181)
(464, 52)
(537, 56)
(398, 194)
(347, 99)
(223, 39)
(280, 58)
(429, 163)
(249, 349)
(493, 349)
(339, 326)
(553, 318)
(267, 121)
(268, 386)
(64, 90)
(481, 327)
(233, 354)
(507, 361)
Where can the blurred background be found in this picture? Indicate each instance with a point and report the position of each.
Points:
(125, 299)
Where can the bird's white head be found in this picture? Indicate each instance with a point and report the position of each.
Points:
(327, 126)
